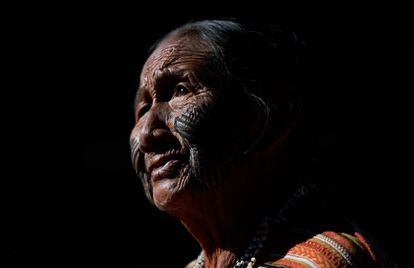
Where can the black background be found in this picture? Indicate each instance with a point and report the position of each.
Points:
(72, 71)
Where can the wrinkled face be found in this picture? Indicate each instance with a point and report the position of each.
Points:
(190, 130)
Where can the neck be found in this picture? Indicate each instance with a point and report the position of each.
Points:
(224, 222)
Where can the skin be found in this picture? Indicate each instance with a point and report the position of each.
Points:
(189, 145)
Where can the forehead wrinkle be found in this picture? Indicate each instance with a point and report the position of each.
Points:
(161, 57)
(178, 58)
(175, 48)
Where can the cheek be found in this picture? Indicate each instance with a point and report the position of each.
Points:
(179, 107)
(171, 126)
(134, 142)
(192, 116)
(179, 103)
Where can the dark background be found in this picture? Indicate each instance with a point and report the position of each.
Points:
(72, 71)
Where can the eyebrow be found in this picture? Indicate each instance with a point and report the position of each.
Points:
(168, 76)
(162, 79)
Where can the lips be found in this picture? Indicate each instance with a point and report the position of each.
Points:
(168, 170)
(164, 165)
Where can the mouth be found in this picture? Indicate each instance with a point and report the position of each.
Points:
(166, 165)
(168, 170)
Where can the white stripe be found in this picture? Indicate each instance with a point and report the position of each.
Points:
(301, 259)
(340, 249)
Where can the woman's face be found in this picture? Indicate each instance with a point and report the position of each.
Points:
(191, 128)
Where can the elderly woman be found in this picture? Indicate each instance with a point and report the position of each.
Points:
(215, 110)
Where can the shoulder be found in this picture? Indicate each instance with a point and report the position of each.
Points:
(326, 249)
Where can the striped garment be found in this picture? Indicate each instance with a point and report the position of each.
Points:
(316, 236)
(328, 250)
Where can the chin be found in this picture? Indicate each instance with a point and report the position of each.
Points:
(169, 194)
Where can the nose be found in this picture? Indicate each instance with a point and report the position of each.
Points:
(154, 135)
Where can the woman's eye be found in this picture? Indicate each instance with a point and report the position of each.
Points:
(180, 90)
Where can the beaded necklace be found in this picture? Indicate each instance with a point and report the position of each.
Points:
(248, 259)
